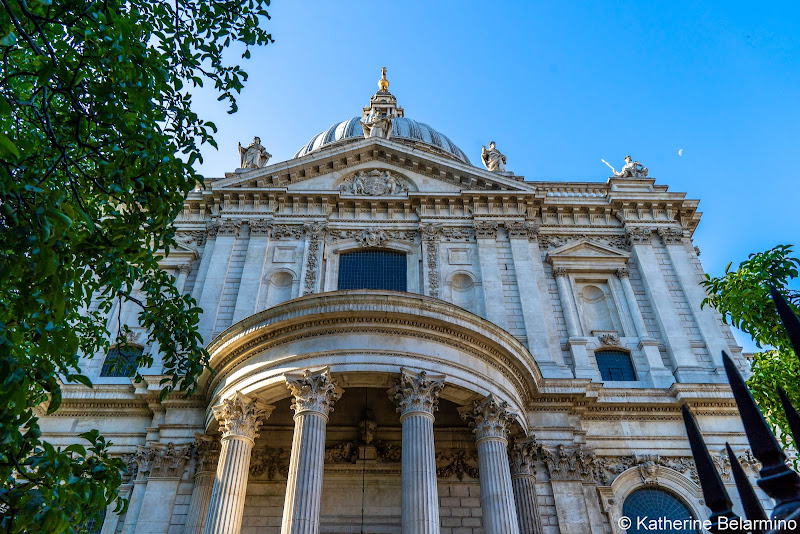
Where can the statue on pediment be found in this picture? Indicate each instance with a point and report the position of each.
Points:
(377, 125)
(631, 169)
(493, 159)
(254, 156)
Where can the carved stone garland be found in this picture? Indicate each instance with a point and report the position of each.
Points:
(316, 234)
(430, 238)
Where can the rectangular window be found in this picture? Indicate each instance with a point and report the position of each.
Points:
(372, 269)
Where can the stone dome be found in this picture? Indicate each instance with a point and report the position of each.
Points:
(403, 129)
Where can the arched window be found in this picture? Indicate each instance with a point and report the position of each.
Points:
(121, 361)
(615, 365)
(372, 269)
(655, 503)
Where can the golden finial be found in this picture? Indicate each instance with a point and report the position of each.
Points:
(383, 83)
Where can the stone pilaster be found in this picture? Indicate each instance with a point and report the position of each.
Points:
(705, 317)
(523, 481)
(314, 395)
(577, 343)
(215, 276)
(182, 273)
(239, 421)
(539, 328)
(658, 293)
(253, 269)
(206, 452)
(660, 376)
(490, 419)
(492, 281)
(417, 396)
(167, 464)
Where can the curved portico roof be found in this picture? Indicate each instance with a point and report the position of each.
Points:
(376, 333)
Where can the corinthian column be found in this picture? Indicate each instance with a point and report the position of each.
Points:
(206, 451)
(239, 421)
(314, 394)
(417, 396)
(523, 480)
(490, 419)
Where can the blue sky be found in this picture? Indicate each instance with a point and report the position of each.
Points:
(558, 85)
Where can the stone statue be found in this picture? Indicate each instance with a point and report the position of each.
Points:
(493, 159)
(392, 186)
(254, 156)
(631, 169)
(377, 125)
(358, 184)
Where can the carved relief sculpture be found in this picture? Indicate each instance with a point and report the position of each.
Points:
(430, 234)
(254, 156)
(374, 183)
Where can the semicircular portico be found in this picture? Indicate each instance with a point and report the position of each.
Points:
(366, 337)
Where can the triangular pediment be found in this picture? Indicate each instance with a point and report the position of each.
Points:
(586, 250)
(332, 169)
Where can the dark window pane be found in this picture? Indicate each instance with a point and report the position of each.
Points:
(94, 525)
(121, 362)
(372, 269)
(656, 503)
(615, 365)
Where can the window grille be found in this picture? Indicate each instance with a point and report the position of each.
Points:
(656, 503)
(615, 365)
(121, 361)
(372, 269)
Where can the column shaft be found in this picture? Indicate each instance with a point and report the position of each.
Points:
(252, 272)
(420, 499)
(304, 484)
(527, 507)
(567, 304)
(198, 506)
(227, 496)
(497, 498)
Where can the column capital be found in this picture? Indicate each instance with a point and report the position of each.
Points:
(559, 271)
(260, 226)
(623, 272)
(671, 236)
(521, 455)
(416, 392)
(485, 229)
(313, 391)
(184, 268)
(637, 235)
(239, 416)
(488, 417)
(206, 453)
(521, 229)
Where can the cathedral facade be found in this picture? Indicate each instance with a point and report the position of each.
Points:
(405, 342)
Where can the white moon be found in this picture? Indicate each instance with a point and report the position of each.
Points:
(680, 152)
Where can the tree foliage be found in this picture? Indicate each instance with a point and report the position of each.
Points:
(98, 138)
(742, 297)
